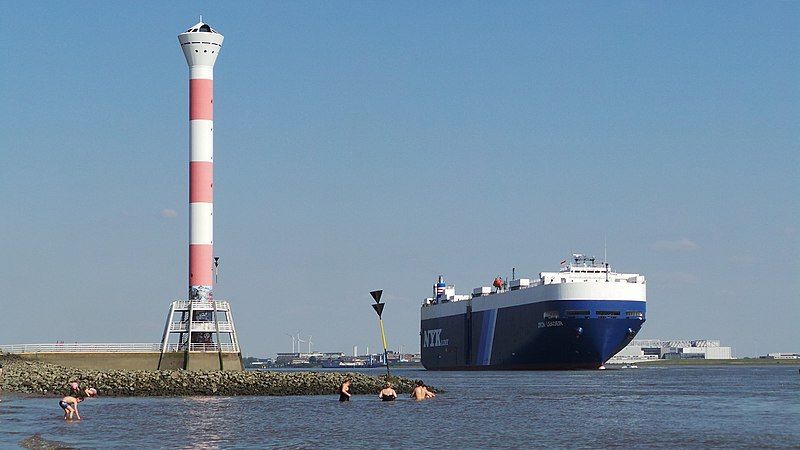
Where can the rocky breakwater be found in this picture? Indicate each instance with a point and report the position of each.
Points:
(30, 377)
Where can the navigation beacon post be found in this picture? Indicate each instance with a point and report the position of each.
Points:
(201, 324)
(378, 307)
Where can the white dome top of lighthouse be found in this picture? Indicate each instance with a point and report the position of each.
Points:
(201, 44)
(201, 27)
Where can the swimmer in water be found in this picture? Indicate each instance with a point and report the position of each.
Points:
(344, 391)
(387, 394)
(421, 392)
(70, 406)
(70, 403)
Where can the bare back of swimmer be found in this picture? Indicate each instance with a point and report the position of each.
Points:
(421, 392)
(70, 406)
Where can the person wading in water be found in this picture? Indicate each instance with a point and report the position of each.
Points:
(387, 394)
(70, 404)
(421, 392)
(344, 391)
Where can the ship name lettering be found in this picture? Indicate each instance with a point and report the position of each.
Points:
(433, 338)
(551, 323)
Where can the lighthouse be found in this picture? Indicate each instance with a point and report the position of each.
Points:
(201, 45)
(201, 327)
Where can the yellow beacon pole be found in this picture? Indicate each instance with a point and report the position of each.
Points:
(378, 307)
(383, 335)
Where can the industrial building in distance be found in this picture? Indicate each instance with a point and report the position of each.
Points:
(333, 360)
(651, 349)
(781, 355)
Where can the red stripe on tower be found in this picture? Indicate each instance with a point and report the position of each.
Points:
(200, 256)
(201, 182)
(201, 99)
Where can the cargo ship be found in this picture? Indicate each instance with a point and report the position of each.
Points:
(576, 318)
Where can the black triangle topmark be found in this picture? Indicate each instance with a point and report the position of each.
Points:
(377, 295)
(379, 308)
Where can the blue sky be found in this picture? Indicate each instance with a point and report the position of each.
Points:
(367, 145)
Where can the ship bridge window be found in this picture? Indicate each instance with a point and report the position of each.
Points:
(608, 314)
(577, 312)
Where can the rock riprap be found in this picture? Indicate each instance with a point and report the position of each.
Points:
(31, 377)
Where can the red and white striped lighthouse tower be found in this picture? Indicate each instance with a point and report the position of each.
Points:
(201, 328)
(201, 45)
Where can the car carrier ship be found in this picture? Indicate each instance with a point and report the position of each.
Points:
(576, 318)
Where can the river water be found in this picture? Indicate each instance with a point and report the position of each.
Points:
(716, 406)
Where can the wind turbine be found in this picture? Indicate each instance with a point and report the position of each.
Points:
(292, 336)
(299, 341)
(309, 344)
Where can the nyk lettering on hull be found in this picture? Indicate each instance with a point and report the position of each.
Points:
(433, 338)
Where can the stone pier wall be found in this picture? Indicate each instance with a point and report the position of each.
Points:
(39, 378)
(140, 360)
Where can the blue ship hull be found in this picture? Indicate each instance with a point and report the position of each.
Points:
(520, 338)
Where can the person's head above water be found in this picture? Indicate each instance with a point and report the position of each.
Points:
(420, 383)
(90, 392)
(387, 385)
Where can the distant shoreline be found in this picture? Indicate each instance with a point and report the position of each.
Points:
(412, 366)
(713, 362)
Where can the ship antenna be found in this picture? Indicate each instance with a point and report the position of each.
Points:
(605, 254)
(513, 273)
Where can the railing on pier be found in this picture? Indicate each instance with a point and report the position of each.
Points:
(197, 305)
(225, 348)
(200, 326)
(116, 348)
